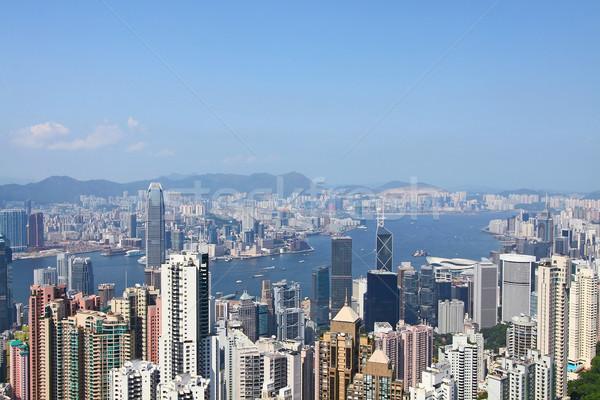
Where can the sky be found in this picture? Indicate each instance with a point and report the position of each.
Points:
(501, 94)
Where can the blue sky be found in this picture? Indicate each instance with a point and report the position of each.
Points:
(514, 104)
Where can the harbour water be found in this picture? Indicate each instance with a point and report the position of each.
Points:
(449, 236)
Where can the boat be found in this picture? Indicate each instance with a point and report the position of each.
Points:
(238, 281)
(258, 276)
(283, 269)
(142, 260)
(301, 261)
(114, 252)
(420, 253)
(131, 253)
(271, 267)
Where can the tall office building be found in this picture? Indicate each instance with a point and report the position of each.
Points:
(401, 270)
(307, 357)
(516, 284)
(583, 316)
(81, 276)
(319, 300)
(63, 261)
(185, 342)
(485, 295)
(267, 298)
(132, 225)
(289, 315)
(5, 285)
(384, 248)
(35, 229)
(416, 353)
(45, 276)
(451, 315)
(341, 273)
(135, 380)
(554, 279)
(19, 369)
(248, 316)
(428, 295)
(39, 298)
(155, 226)
(106, 292)
(410, 289)
(545, 225)
(359, 288)
(152, 277)
(13, 225)
(521, 336)
(381, 299)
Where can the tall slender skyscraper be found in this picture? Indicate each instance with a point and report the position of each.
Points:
(5, 285)
(155, 226)
(553, 323)
(583, 316)
(35, 229)
(485, 288)
(384, 247)
(319, 301)
(341, 273)
(63, 261)
(184, 343)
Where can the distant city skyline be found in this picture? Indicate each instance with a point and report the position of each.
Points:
(125, 91)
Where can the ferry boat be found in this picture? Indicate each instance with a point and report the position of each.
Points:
(238, 281)
(420, 253)
(301, 261)
(142, 260)
(133, 253)
(258, 276)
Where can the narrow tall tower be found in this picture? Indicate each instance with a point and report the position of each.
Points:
(553, 322)
(184, 341)
(341, 273)
(155, 226)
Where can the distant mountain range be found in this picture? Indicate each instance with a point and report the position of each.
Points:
(60, 189)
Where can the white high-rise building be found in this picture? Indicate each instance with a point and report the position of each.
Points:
(521, 336)
(522, 378)
(464, 366)
(554, 279)
(451, 315)
(62, 267)
(583, 316)
(516, 284)
(186, 346)
(436, 383)
(485, 294)
(135, 380)
(184, 387)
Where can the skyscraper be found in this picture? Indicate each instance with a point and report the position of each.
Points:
(63, 261)
(13, 225)
(381, 299)
(184, 343)
(521, 336)
(341, 272)
(267, 298)
(410, 289)
(5, 285)
(319, 300)
(428, 295)
(554, 281)
(106, 292)
(132, 224)
(155, 226)
(248, 316)
(485, 294)
(384, 248)
(583, 316)
(545, 225)
(35, 229)
(416, 352)
(517, 282)
(289, 315)
(81, 276)
(451, 315)
(19, 369)
(45, 276)
(464, 364)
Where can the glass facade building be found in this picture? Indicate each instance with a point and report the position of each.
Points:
(341, 273)
(155, 226)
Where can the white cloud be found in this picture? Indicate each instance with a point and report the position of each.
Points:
(164, 153)
(103, 135)
(136, 127)
(38, 136)
(136, 147)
